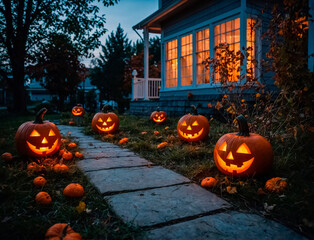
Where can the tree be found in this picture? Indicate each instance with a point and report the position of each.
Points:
(26, 24)
(108, 73)
(58, 68)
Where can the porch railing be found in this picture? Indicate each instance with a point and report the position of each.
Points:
(145, 90)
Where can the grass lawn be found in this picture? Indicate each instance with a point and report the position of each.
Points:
(293, 208)
(22, 218)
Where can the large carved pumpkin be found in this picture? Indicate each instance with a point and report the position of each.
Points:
(158, 116)
(105, 122)
(193, 127)
(78, 110)
(39, 138)
(243, 153)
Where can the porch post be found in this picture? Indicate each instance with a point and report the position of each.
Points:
(146, 63)
(311, 36)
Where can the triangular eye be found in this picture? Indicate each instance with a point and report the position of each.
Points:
(223, 147)
(109, 119)
(244, 149)
(100, 120)
(35, 134)
(184, 124)
(195, 123)
(51, 133)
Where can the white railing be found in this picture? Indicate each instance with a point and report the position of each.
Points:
(145, 90)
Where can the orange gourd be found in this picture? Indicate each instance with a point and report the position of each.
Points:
(39, 181)
(73, 190)
(62, 231)
(43, 198)
(78, 155)
(60, 168)
(67, 155)
(276, 185)
(72, 145)
(209, 182)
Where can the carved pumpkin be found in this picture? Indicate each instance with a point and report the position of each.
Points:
(73, 190)
(243, 153)
(158, 116)
(105, 122)
(43, 198)
(39, 181)
(39, 138)
(193, 127)
(62, 231)
(78, 110)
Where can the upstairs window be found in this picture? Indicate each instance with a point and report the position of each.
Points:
(202, 53)
(186, 60)
(171, 63)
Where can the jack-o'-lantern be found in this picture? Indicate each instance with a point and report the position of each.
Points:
(39, 138)
(193, 127)
(105, 122)
(243, 153)
(78, 110)
(158, 116)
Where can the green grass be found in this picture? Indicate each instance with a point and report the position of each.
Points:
(22, 218)
(294, 207)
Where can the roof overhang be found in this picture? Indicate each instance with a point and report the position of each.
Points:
(152, 22)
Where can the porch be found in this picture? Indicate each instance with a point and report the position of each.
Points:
(145, 88)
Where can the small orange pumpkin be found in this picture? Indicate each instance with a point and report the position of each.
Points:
(73, 190)
(38, 138)
(78, 155)
(71, 123)
(61, 231)
(39, 181)
(78, 110)
(123, 140)
(193, 127)
(34, 167)
(243, 153)
(209, 182)
(67, 155)
(60, 168)
(72, 145)
(61, 152)
(276, 185)
(158, 116)
(7, 157)
(105, 122)
(162, 145)
(43, 198)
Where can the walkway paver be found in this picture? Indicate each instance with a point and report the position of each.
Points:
(169, 205)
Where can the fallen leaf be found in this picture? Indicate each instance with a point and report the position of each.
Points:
(81, 207)
(143, 133)
(156, 132)
(162, 145)
(231, 190)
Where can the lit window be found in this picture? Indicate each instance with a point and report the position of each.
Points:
(171, 64)
(186, 60)
(250, 45)
(202, 53)
(229, 33)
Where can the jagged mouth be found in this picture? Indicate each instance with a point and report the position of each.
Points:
(77, 113)
(190, 135)
(233, 168)
(159, 120)
(106, 129)
(42, 150)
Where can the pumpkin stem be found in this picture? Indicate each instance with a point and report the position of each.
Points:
(79, 105)
(64, 232)
(40, 116)
(243, 126)
(194, 109)
(106, 108)
(158, 109)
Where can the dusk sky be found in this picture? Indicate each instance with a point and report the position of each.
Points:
(127, 13)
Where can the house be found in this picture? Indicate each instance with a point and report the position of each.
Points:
(190, 30)
(37, 92)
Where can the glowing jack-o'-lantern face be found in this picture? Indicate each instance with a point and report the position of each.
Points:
(38, 138)
(105, 122)
(193, 127)
(78, 110)
(158, 116)
(243, 153)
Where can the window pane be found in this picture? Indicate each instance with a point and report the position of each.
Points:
(171, 64)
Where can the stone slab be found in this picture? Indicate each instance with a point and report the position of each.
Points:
(222, 226)
(104, 150)
(107, 154)
(107, 163)
(135, 178)
(101, 145)
(160, 205)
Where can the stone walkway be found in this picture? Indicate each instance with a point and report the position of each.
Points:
(165, 204)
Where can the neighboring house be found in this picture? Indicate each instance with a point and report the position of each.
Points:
(190, 30)
(37, 92)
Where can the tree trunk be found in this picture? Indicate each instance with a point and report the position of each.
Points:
(17, 84)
